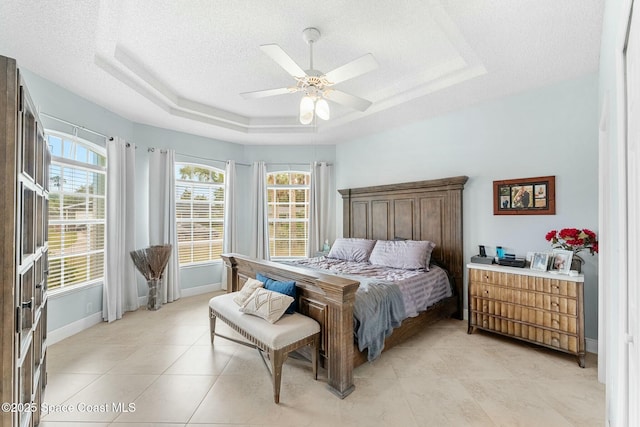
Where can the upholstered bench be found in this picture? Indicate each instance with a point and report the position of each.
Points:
(277, 340)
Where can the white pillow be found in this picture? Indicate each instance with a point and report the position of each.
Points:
(249, 287)
(267, 304)
(351, 249)
(405, 254)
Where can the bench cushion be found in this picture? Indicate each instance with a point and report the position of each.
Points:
(286, 331)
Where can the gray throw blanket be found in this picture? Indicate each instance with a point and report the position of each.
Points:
(378, 309)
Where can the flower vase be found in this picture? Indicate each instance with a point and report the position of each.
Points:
(576, 263)
(154, 298)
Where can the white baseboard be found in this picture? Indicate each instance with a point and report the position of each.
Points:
(80, 325)
(188, 292)
(66, 331)
(591, 345)
(198, 290)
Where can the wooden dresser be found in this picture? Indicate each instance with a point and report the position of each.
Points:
(538, 307)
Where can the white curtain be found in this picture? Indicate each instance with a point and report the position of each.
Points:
(229, 243)
(320, 207)
(120, 291)
(162, 216)
(259, 219)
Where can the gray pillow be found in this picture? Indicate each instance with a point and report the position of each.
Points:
(405, 254)
(351, 249)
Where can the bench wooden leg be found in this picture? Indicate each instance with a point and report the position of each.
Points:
(277, 359)
(315, 355)
(212, 324)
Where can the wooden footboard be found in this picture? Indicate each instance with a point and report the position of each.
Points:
(327, 299)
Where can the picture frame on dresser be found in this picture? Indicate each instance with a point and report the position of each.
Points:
(561, 261)
(539, 261)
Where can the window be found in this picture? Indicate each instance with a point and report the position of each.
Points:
(77, 198)
(288, 210)
(199, 213)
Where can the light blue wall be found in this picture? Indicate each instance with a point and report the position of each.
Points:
(67, 308)
(548, 131)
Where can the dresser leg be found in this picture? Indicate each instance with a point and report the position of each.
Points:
(470, 329)
(581, 360)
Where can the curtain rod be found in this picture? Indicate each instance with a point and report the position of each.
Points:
(204, 158)
(75, 125)
(245, 164)
(237, 163)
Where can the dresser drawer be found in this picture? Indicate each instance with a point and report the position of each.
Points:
(547, 319)
(524, 282)
(551, 338)
(539, 300)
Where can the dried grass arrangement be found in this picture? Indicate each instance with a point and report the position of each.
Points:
(151, 263)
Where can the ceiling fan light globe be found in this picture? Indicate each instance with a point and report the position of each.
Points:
(322, 109)
(306, 118)
(306, 105)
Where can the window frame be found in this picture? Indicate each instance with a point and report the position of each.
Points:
(179, 220)
(62, 162)
(292, 188)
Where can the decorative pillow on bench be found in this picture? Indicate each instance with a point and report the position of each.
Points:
(249, 287)
(287, 288)
(267, 304)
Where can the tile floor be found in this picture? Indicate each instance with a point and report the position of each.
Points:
(159, 369)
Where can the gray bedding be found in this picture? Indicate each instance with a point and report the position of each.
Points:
(386, 296)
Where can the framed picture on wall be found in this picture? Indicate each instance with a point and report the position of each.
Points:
(525, 196)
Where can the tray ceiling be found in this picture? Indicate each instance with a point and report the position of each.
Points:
(181, 65)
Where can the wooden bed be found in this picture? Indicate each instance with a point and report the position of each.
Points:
(424, 210)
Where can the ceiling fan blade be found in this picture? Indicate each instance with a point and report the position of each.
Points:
(352, 101)
(352, 69)
(280, 56)
(265, 93)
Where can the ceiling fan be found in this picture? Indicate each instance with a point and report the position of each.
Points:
(316, 86)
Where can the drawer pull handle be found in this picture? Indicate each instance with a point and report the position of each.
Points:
(27, 304)
(555, 304)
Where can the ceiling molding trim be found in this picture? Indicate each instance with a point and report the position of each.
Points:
(125, 67)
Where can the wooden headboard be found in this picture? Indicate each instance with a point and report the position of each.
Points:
(422, 210)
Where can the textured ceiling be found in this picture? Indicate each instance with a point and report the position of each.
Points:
(181, 65)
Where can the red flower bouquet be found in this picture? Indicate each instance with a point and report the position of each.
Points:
(574, 239)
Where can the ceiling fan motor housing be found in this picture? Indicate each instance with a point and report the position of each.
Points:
(310, 35)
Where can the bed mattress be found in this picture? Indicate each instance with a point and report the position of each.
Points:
(386, 296)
